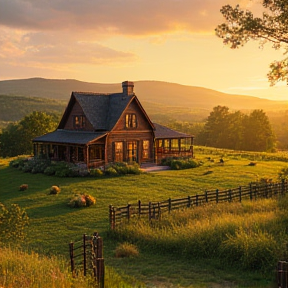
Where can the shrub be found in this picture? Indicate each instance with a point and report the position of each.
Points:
(122, 168)
(13, 221)
(18, 162)
(111, 171)
(50, 170)
(283, 174)
(81, 200)
(179, 164)
(55, 189)
(96, 172)
(126, 250)
(23, 187)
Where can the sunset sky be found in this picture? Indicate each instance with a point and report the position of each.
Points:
(109, 41)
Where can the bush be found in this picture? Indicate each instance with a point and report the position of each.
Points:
(180, 163)
(96, 172)
(126, 250)
(122, 168)
(283, 174)
(13, 221)
(36, 166)
(18, 162)
(110, 171)
(81, 200)
(55, 190)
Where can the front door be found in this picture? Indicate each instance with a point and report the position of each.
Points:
(132, 155)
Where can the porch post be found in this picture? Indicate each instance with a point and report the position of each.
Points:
(87, 156)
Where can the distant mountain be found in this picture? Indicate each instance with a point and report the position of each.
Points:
(150, 93)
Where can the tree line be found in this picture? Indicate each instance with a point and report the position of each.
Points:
(232, 130)
(16, 138)
(222, 129)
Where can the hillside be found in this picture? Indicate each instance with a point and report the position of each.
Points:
(153, 92)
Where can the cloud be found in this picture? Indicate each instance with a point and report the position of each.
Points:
(125, 17)
(40, 48)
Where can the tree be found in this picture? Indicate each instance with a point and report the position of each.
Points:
(258, 134)
(214, 129)
(16, 139)
(238, 131)
(241, 26)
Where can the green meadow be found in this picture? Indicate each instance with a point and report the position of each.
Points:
(53, 224)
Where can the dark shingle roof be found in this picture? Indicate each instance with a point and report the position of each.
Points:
(102, 110)
(69, 137)
(162, 132)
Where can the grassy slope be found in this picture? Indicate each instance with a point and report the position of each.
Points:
(53, 224)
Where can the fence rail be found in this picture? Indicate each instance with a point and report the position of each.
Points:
(119, 215)
(86, 255)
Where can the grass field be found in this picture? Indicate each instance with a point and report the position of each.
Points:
(53, 224)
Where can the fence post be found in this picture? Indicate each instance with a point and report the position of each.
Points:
(84, 255)
(112, 217)
(139, 208)
(159, 210)
(206, 196)
(230, 195)
(100, 263)
(196, 199)
(282, 274)
(189, 201)
(240, 194)
(169, 205)
(71, 248)
(128, 211)
(250, 192)
(217, 192)
(149, 212)
(283, 187)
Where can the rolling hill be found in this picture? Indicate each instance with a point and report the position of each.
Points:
(163, 101)
(154, 92)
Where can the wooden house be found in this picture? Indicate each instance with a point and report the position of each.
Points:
(97, 129)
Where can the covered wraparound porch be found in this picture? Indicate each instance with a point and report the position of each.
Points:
(171, 143)
(82, 148)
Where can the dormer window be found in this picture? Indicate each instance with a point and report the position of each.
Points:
(79, 121)
(131, 121)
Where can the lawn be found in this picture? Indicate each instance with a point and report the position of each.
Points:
(53, 224)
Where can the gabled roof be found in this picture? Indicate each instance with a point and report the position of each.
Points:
(69, 137)
(101, 110)
(162, 132)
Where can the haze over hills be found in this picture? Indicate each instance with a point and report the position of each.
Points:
(150, 93)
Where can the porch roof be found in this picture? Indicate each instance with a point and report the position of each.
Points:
(69, 137)
(162, 132)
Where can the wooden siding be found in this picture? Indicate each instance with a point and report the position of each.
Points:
(77, 111)
(142, 123)
(138, 136)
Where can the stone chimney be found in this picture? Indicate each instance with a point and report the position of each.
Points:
(128, 88)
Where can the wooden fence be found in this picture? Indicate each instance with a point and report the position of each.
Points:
(153, 210)
(86, 256)
(282, 274)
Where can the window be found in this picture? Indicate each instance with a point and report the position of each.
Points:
(97, 152)
(145, 150)
(132, 151)
(118, 151)
(79, 122)
(131, 121)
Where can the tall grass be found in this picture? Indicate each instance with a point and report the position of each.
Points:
(248, 235)
(19, 269)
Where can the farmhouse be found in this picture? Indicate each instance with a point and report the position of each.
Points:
(98, 128)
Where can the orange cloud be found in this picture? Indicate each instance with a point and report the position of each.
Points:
(126, 17)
